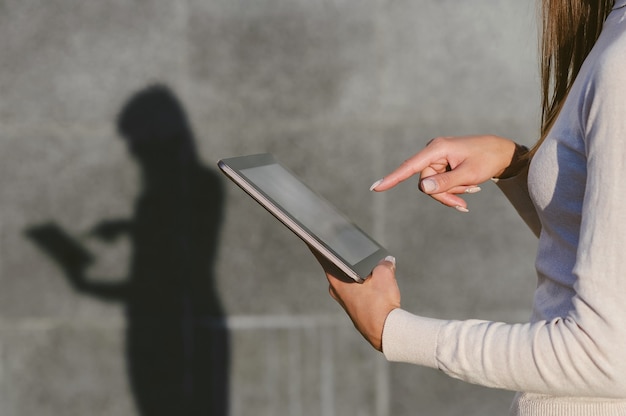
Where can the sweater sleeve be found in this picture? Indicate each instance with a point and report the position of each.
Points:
(557, 358)
(582, 351)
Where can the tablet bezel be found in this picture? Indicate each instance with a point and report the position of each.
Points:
(233, 166)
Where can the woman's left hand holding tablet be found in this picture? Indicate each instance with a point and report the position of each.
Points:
(367, 303)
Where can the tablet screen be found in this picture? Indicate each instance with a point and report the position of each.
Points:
(314, 213)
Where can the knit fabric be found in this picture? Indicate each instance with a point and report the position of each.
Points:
(570, 358)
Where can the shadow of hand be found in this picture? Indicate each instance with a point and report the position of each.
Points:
(110, 230)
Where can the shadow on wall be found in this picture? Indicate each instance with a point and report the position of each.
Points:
(177, 344)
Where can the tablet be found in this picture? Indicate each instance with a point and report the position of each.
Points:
(307, 214)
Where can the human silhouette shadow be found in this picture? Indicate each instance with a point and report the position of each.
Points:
(176, 343)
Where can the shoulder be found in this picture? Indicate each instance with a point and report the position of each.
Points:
(602, 88)
(608, 59)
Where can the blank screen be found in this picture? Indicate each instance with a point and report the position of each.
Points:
(314, 213)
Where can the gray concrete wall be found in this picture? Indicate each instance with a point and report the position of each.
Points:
(341, 91)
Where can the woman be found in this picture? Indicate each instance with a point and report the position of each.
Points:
(570, 359)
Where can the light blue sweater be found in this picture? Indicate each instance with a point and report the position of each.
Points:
(570, 359)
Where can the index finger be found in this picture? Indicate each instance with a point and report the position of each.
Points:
(412, 166)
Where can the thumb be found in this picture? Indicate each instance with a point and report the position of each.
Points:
(389, 262)
(445, 181)
(386, 266)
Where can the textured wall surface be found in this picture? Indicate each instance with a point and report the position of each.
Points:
(136, 282)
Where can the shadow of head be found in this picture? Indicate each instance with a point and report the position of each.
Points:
(154, 125)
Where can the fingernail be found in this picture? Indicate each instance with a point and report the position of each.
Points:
(461, 209)
(429, 185)
(473, 190)
(391, 259)
(375, 184)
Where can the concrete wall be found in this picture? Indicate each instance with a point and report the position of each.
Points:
(119, 297)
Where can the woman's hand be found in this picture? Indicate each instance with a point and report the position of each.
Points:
(367, 303)
(449, 166)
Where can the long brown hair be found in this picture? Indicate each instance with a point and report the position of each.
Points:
(570, 28)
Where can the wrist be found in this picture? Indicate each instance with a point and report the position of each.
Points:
(519, 160)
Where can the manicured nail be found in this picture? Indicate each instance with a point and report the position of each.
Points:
(392, 260)
(473, 190)
(461, 209)
(375, 184)
(429, 185)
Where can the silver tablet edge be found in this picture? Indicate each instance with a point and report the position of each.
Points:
(278, 213)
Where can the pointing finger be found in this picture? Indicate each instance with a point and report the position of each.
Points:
(430, 156)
